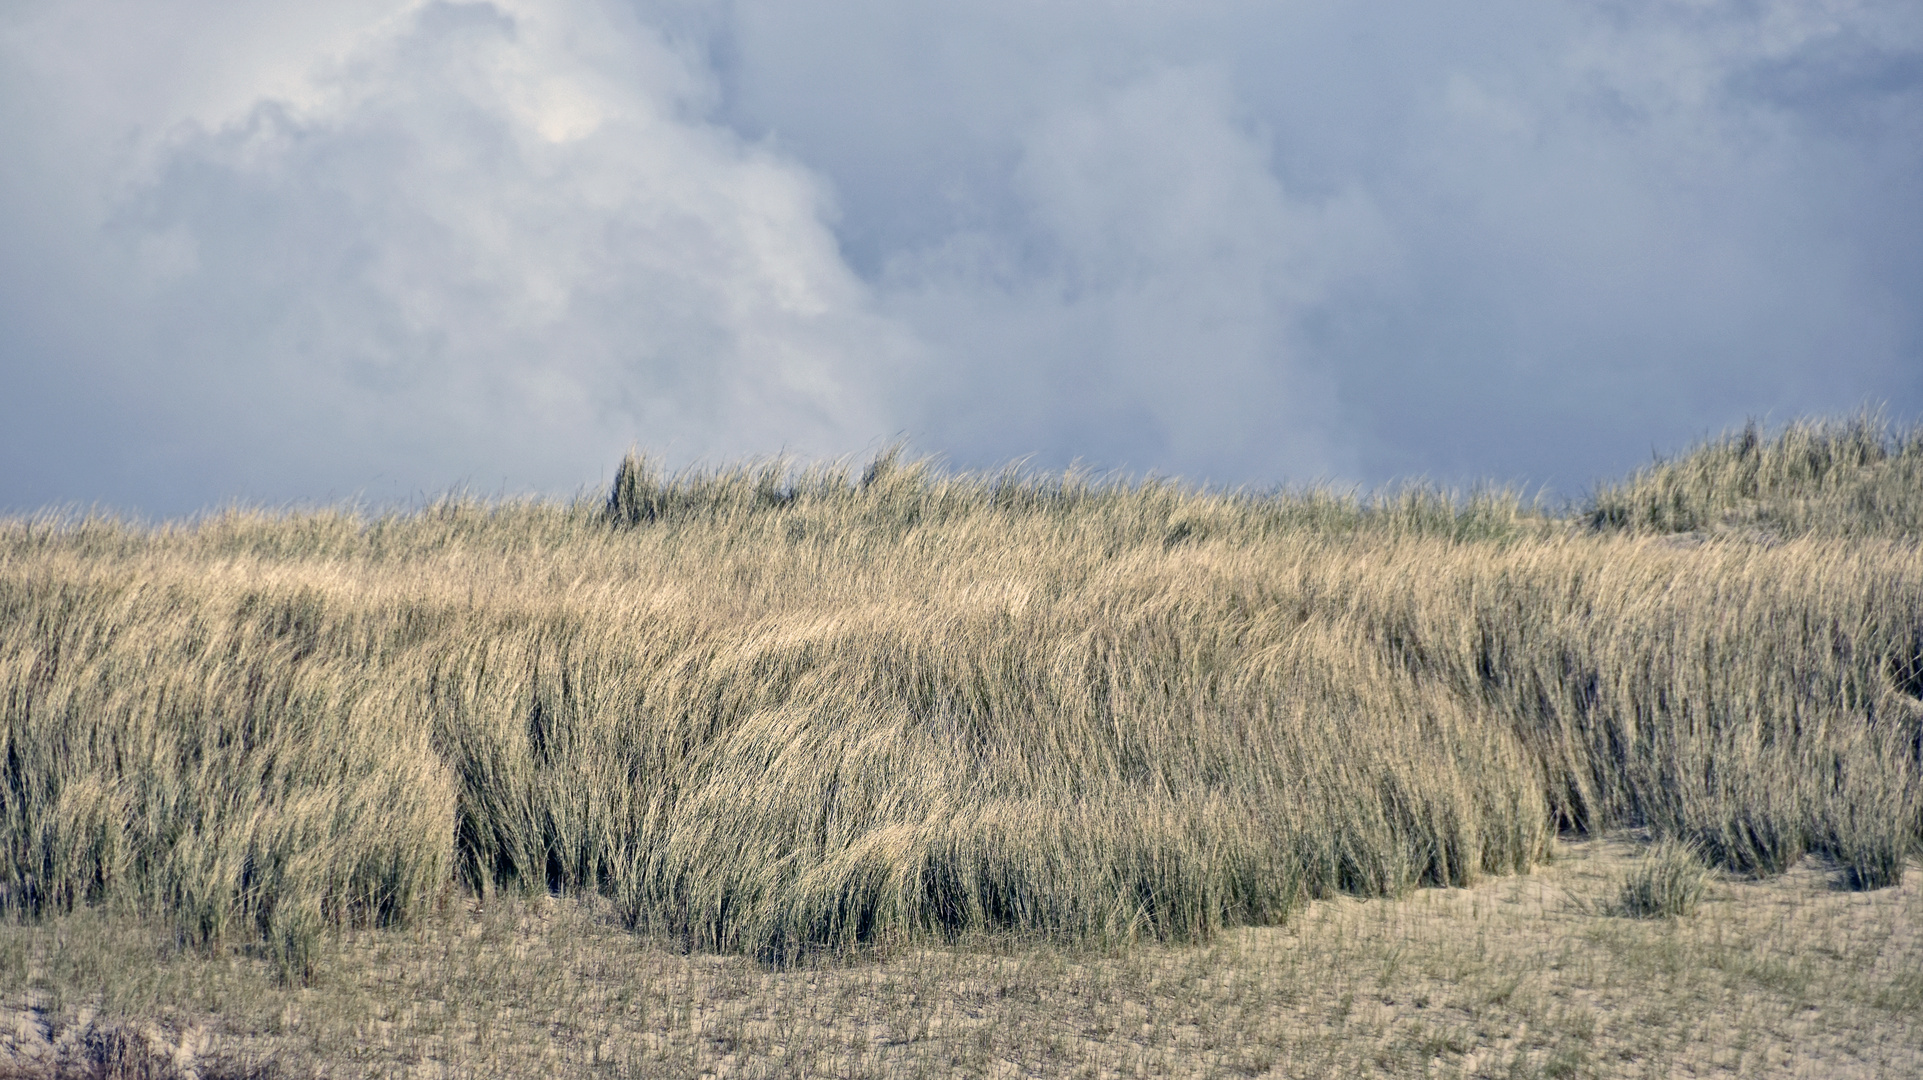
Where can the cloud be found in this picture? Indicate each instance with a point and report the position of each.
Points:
(1651, 239)
(1557, 234)
(489, 240)
(1140, 308)
(386, 246)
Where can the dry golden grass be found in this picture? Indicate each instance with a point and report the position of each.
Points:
(793, 714)
(1827, 478)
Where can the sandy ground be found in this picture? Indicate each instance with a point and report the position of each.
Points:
(1530, 976)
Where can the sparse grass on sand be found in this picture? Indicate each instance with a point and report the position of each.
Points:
(1520, 976)
(808, 724)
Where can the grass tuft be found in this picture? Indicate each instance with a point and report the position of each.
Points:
(1666, 883)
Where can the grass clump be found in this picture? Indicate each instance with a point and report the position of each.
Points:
(1666, 883)
(1854, 477)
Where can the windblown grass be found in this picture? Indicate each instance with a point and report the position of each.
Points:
(774, 711)
(1855, 477)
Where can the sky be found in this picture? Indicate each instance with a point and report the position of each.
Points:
(380, 250)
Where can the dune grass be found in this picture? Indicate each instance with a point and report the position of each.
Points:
(1667, 882)
(775, 712)
(1854, 477)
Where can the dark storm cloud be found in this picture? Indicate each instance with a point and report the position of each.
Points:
(1837, 77)
(1573, 231)
(301, 253)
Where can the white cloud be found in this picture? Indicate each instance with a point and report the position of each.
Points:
(488, 241)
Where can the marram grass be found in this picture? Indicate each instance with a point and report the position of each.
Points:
(1852, 477)
(771, 711)
(1667, 882)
